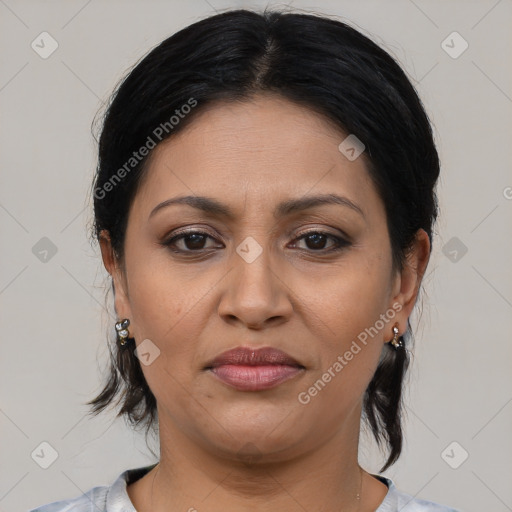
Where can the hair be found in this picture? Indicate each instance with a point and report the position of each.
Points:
(316, 62)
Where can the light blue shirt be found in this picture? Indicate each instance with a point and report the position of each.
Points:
(114, 498)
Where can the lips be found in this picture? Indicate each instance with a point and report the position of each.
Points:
(253, 357)
(249, 369)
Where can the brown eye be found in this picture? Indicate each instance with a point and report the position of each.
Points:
(195, 241)
(191, 241)
(317, 240)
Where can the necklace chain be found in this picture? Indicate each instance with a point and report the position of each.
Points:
(358, 496)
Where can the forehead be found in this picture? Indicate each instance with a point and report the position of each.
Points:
(255, 154)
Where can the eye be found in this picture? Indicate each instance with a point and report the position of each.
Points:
(316, 240)
(192, 241)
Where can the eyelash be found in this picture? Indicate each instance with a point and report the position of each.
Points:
(341, 243)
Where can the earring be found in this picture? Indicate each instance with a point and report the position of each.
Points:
(396, 341)
(122, 333)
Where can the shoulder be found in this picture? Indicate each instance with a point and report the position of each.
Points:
(104, 498)
(112, 498)
(397, 500)
(94, 499)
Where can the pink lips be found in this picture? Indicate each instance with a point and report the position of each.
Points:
(249, 369)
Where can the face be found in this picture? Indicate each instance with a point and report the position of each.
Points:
(263, 271)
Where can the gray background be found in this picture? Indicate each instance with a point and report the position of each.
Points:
(53, 322)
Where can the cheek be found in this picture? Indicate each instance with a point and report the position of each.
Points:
(349, 358)
(352, 297)
(348, 307)
(173, 305)
(163, 297)
(168, 312)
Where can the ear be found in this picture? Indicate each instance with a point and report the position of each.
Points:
(112, 265)
(408, 280)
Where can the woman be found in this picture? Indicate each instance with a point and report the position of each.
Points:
(264, 204)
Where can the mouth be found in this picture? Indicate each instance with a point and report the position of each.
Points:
(249, 369)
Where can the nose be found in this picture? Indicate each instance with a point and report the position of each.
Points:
(256, 294)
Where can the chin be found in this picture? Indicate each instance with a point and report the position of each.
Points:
(252, 436)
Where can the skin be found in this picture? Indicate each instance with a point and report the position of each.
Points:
(294, 296)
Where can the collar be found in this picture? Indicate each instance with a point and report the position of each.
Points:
(119, 501)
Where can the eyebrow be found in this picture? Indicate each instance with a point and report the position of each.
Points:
(218, 209)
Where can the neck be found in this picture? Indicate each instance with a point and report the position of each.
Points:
(326, 478)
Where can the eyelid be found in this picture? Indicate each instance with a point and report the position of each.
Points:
(326, 231)
(193, 230)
